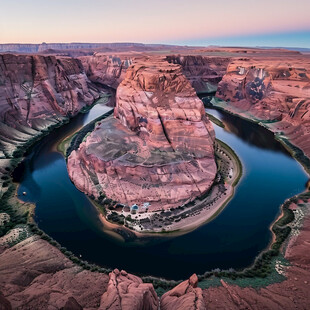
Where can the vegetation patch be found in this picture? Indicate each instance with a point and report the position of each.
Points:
(215, 120)
(296, 152)
(18, 212)
(79, 136)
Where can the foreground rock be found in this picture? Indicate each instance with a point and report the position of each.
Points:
(158, 148)
(126, 292)
(35, 275)
(184, 296)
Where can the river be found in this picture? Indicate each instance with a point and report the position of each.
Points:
(232, 240)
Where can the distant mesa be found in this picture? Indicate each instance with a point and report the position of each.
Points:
(125, 46)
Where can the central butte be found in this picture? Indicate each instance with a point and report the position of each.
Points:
(158, 149)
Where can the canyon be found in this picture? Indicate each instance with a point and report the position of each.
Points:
(158, 148)
(274, 92)
(44, 277)
(270, 87)
(37, 92)
(88, 48)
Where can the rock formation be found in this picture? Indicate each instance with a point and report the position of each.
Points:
(184, 296)
(276, 91)
(36, 92)
(204, 73)
(126, 292)
(106, 69)
(157, 149)
(44, 278)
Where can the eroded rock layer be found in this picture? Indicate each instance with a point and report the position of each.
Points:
(204, 73)
(36, 92)
(184, 296)
(106, 69)
(126, 291)
(44, 278)
(273, 90)
(158, 148)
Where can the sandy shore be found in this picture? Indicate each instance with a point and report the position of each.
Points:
(204, 211)
(207, 214)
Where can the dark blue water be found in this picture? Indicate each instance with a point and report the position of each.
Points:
(233, 239)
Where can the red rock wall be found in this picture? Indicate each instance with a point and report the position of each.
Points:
(106, 69)
(204, 73)
(272, 89)
(36, 91)
(157, 149)
(36, 275)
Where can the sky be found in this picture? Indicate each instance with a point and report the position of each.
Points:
(193, 22)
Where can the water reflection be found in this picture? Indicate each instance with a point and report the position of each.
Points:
(233, 239)
(249, 132)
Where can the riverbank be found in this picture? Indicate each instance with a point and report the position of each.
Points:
(271, 265)
(181, 220)
(279, 135)
(65, 144)
(12, 207)
(165, 234)
(9, 161)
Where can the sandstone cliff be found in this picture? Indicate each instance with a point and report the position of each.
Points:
(106, 69)
(204, 73)
(36, 92)
(272, 90)
(159, 146)
(44, 278)
(126, 292)
(184, 296)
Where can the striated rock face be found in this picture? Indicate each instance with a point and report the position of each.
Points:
(36, 275)
(269, 89)
(4, 303)
(158, 148)
(106, 69)
(126, 292)
(184, 296)
(204, 73)
(36, 92)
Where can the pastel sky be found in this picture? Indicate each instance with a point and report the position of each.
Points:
(193, 22)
